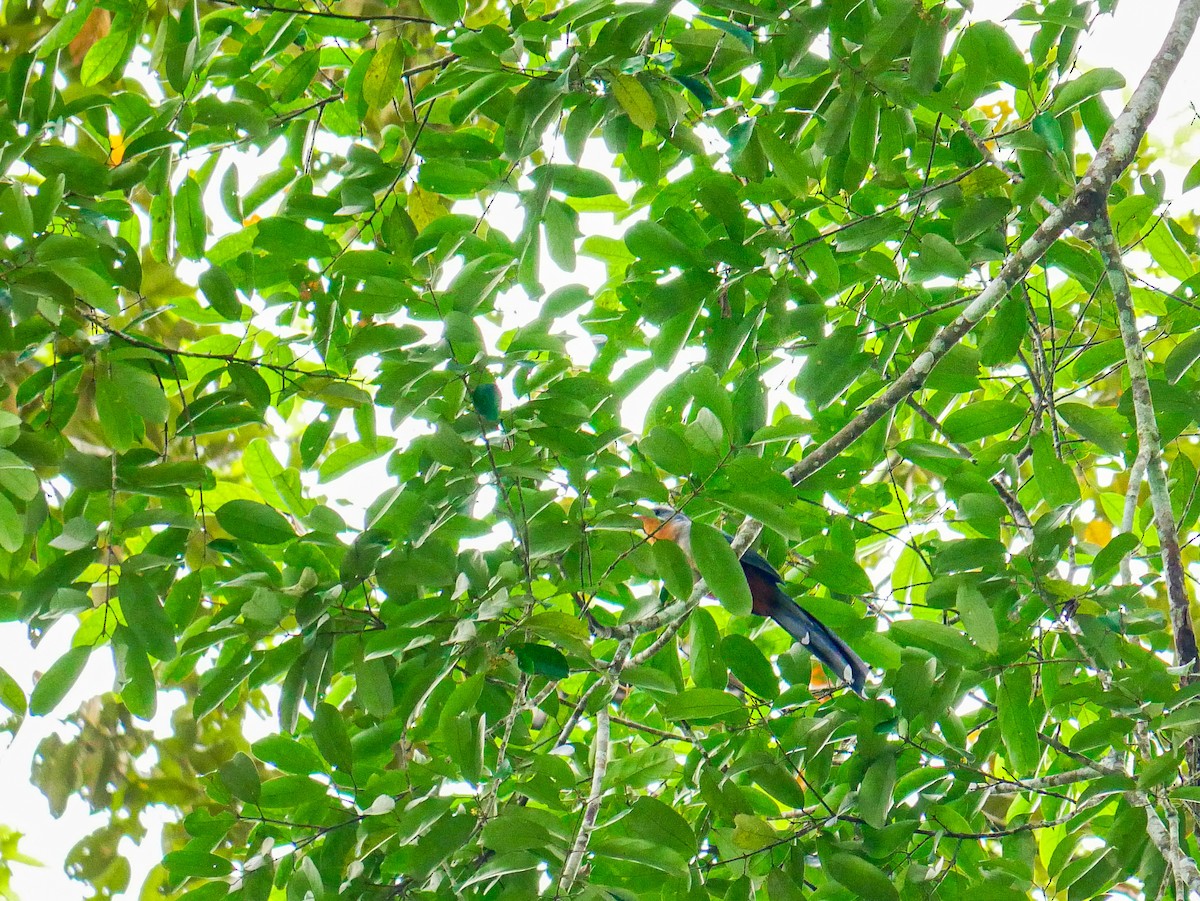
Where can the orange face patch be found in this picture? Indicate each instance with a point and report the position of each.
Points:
(655, 528)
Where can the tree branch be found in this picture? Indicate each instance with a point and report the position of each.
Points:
(1149, 445)
(1181, 863)
(599, 767)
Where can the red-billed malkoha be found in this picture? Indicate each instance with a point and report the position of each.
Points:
(770, 600)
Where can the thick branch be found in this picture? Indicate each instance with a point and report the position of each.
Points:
(1149, 445)
(1180, 862)
(600, 766)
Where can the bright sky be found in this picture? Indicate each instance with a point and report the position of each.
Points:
(1125, 42)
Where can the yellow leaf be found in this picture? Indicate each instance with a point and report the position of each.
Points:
(635, 100)
(116, 149)
(1098, 531)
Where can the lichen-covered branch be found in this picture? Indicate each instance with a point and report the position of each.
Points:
(591, 811)
(1149, 445)
(1180, 862)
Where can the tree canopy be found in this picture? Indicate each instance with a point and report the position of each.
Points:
(341, 342)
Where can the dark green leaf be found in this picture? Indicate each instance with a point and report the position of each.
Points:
(329, 732)
(239, 775)
(218, 290)
(145, 615)
(542, 660)
(748, 664)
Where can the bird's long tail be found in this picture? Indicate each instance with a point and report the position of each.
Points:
(820, 641)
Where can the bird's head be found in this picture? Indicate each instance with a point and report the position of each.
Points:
(665, 522)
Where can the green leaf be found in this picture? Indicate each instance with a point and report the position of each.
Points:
(191, 227)
(862, 877)
(1017, 726)
(753, 833)
(939, 256)
(194, 862)
(574, 181)
(1054, 477)
(668, 450)
(673, 568)
(17, 476)
(1103, 426)
(780, 887)
(12, 526)
(831, 366)
(1183, 356)
(977, 617)
(657, 246)
(329, 732)
(373, 687)
(840, 573)
(1089, 84)
(542, 660)
(940, 640)
(11, 695)
(980, 419)
(748, 663)
(992, 50)
(145, 615)
(239, 775)
(383, 79)
(720, 569)
(770, 514)
(1106, 562)
(103, 56)
(1192, 178)
(786, 163)
(443, 12)
(1159, 771)
(925, 58)
(642, 767)
(297, 76)
(54, 684)
(1164, 247)
(288, 755)
(218, 289)
(700, 704)
(635, 100)
(875, 793)
(452, 179)
(255, 522)
(59, 574)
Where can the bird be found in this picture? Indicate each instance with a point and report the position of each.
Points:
(769, 599)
